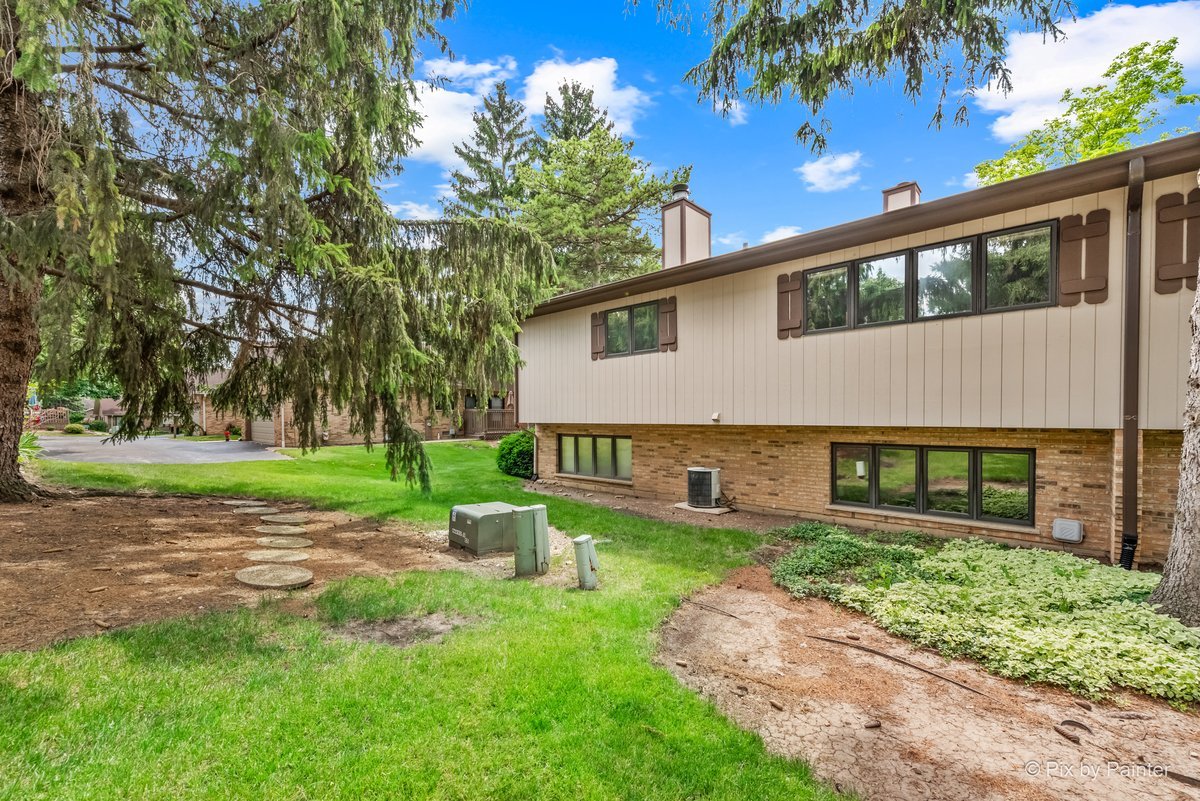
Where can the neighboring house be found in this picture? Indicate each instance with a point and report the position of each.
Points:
(982, 364)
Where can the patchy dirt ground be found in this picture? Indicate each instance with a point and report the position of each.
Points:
(80, 567)
(886, 730)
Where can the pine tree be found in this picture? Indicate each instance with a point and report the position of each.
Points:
(574, 115)
(487, 186)
(191, 183)
(595, 204)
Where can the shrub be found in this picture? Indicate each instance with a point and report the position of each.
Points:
(73, 428)
(75, 417)
(28, 446)
(99, 426)
(235, 431)
(515, 455)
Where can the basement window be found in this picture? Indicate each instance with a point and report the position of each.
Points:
(990, 484)
(596, 457)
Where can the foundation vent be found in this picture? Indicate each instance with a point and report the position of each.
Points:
(1065, 530)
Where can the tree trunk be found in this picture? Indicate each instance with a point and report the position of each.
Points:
(1179, 591)
(21, 193)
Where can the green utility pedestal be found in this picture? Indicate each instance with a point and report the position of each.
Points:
(533, 540)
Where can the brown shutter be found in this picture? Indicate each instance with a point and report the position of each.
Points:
(598, 320)
(1083, 258)
(667, 325)
(1176, 220)
(790, 306)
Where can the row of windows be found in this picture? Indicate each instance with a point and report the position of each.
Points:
(1005, 270)
(597, 457)
(976, 483)
(631, 329)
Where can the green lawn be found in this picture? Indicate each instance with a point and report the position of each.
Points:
(546, 694)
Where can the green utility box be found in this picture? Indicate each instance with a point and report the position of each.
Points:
(483, 528)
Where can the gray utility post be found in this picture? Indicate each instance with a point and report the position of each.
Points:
(533, 540)
(586, 562)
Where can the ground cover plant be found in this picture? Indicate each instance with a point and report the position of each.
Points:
(542, 693)
(1023, 613)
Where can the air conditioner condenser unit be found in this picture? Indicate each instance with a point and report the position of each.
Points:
(704, 487)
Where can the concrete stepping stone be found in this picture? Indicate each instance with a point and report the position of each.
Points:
(284, 542)
(274, 577)
(287, 531)
(255, 510)
(242, 503)
(289, 518)
(276, 555)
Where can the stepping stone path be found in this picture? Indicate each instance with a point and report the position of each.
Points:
(255, 510)
(275, 577)
(277, 550)
(284, 542)
(283, 530)
(275, 555)
(290, 519)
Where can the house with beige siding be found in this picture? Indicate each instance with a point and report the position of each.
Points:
(1005, 363)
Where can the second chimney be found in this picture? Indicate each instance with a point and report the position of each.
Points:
(686, 230)
(901, 196)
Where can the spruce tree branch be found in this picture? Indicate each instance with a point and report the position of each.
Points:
(145, 98)
(125, 66)
(109, 49)
(234, 294)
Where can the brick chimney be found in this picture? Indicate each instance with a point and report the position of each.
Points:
(687, 230)
(901, 196)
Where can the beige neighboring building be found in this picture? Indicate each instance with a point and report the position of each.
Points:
(984, 364)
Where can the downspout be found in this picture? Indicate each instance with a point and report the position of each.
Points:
(1131, 363)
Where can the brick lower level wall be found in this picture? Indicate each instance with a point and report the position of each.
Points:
(786, 470)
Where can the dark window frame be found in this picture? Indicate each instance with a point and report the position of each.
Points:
(1052, 300)
(592, 438)
(804, 297)
(875, 494)
(630, 309)
(974, 453)
(911, 295)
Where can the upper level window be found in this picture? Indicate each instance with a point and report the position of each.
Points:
(825, 295)
(1017, 271)
(632, 329)
(880, 295)
(1009, 269)
(945, 279)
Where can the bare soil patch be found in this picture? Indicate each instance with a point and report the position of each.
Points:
(751, 649)
(401, 632)
(77, 567)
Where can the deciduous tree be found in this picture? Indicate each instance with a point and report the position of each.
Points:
(193, 182)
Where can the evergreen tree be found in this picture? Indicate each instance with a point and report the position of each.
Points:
(193, 184)
(573, 115)
(596, 205)
(487, 186)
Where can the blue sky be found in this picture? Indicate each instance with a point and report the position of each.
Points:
(749, 171)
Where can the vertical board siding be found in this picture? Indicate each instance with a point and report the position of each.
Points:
(1038, 368)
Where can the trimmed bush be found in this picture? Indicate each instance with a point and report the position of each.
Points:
(73, 428)
(75, 417)
(98, 426)
(515, 455)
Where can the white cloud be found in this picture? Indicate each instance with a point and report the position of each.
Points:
(969, 180)
(782, 232)
(623, 103)
(411, 210)
(737, 115)
(831, 172)
(447, 107)
(1041, 71)
(736, 238)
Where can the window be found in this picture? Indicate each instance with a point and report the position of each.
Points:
(633, 329)
(994, 484)
(879, 289)
(825, 299)
(852, 474)
(1018, 268)
(1010, 269)
(945, 279)
(598, 457)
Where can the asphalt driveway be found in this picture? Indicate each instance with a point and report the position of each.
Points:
(151, 450)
